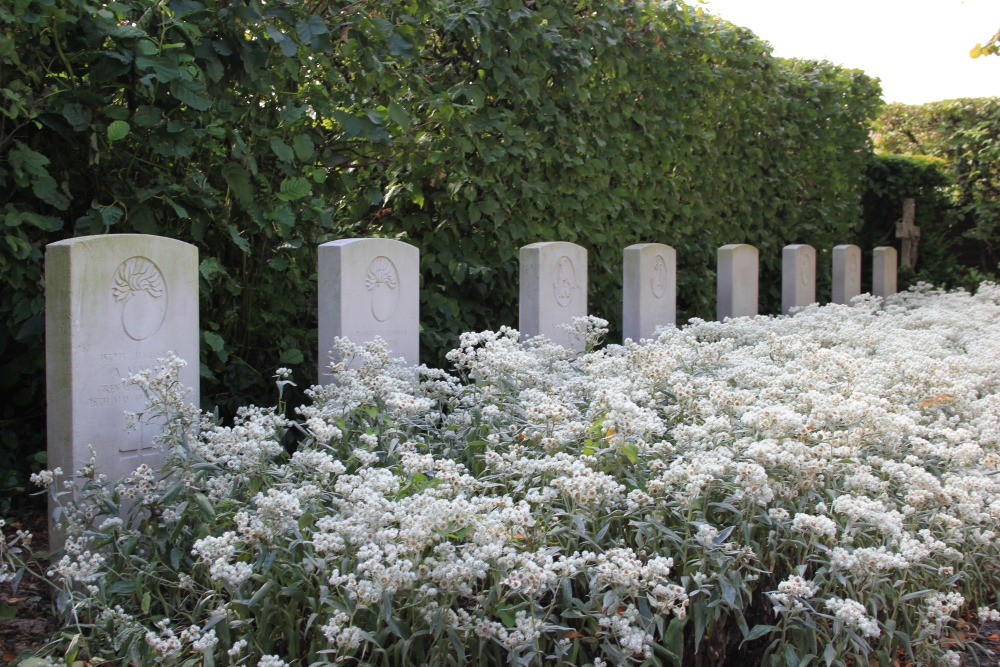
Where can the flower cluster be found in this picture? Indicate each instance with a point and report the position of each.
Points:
(586, 507)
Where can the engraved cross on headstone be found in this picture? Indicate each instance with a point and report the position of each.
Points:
(909, 233)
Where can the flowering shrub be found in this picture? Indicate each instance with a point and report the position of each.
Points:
(820, 487)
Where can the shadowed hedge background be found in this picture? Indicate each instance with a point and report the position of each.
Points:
(466, 127)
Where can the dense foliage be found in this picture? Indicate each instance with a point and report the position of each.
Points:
(259, 130)
(890, 180)
(965, 135)
(819, 489)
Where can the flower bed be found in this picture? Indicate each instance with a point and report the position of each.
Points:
(821, 485)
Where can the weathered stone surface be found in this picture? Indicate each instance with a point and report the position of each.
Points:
(884, 271)
(798, 276)
(369, 288)
(114, 305)
(846, 273)
(649, 294)
(737, 281)
(553, 290)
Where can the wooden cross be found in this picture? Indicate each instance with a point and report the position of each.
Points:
(909, 233)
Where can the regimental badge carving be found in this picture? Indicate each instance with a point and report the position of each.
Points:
(382, 283)
(140, 291)
(658, 281)
(565, 283)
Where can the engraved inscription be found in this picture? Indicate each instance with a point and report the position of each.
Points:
(392, 337)
(111, 394)
(140, 292)
(565, 284)
(659, 279)
(382, 283)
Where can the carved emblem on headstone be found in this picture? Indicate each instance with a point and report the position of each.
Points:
(658, 282)
(382, 283)
(141, 292)
(565, 283)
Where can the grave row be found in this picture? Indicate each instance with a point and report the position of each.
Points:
(368, 288)
(117, 303)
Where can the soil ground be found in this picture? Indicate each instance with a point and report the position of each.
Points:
(27, 617)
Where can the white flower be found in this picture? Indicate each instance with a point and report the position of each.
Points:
(939, 610)
(778, 513)
(237, 648)
(854, 615)
(792, 592)
(822, 526)
(986, 614)
(271, 661)
(706, 535)
(45, 478)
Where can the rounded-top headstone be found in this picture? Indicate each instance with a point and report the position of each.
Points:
(553, 290)
(737, 281)
(369, 288)
(114, 305)
(649, 289)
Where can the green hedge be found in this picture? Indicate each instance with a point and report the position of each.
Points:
(470, 128)
(893, 178)
(963, 134)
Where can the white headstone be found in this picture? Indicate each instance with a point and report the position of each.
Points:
(369, 288)
(846, 273)
(553, 278)
(798, 276)
(884, 267)
(114, 305)
(649, 295)
(737, 281)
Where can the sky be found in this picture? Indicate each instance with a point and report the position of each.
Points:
(919, 49)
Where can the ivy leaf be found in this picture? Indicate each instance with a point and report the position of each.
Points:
(110, 215)
(127, 32)
(398, 115)
(292, 357)
(352, 124)
(286, 43)
(147, 116)
(309, 28)
(304, 148)
(118, 130)
(285, 219)
(241, 242)
(282, 150)
(191, 93)
(399, 46)
(238, 181)
(77, 116)
(167, 68)
(209, 268)
(44, 222)
(179, 210)
(25, 160)
(294, 188)
(475, 95)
